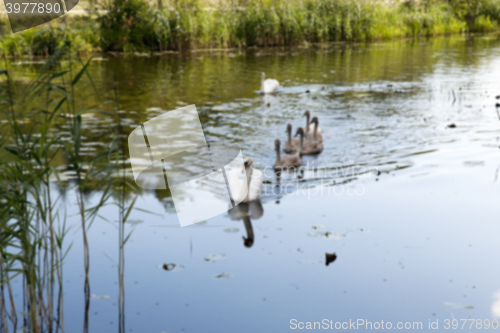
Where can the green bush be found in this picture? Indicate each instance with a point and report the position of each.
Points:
(479, 15)
(80, 33)
(128, 22)
(491, 9)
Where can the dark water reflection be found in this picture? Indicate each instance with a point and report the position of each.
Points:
(407, 204)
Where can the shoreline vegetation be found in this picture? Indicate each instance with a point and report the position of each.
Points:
(138, 26)
(44, 162)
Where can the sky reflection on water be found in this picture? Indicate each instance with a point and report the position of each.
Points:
(410, 241)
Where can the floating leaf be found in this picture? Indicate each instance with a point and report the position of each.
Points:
(215, 257)
(223, 276)
(327, 234)
(330, 257)
(170, 267)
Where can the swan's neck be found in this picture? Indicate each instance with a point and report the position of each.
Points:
(315, 130)
(249, 179)
(250, 236)
(290, 138)
(307, 124)
(278, 156)
(262, 79)
(301, 142)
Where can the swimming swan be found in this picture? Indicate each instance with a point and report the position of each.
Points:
(315, 135)
(252, 182)
(309, 126)
(269, 86)
(309, 147)
(286, 161)
(291, 145)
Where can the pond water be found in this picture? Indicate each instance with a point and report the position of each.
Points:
(406, 202)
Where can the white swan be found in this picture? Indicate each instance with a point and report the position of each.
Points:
(269, 86)
(239, 184)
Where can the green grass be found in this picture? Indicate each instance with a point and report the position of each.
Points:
(136, 26)
(189, 25)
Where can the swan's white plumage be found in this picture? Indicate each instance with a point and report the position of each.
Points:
(269, 86)
(238, 185)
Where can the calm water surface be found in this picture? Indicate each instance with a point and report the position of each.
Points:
(408, 204)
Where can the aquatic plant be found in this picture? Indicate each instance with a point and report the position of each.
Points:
(40, 165)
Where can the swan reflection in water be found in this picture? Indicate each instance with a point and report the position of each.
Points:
(247, 212)
(253, 210)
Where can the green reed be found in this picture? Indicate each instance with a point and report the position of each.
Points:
(133, 25)
(32, 215)
(140, 26)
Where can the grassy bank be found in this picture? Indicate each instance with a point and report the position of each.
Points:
(135, 25)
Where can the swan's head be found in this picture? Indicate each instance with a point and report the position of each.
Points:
(300, 131)
(289, 128)
(247, 242)
(306, 114)
(315, 120)
(262, 76)
(248, 163)
(277, 144)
